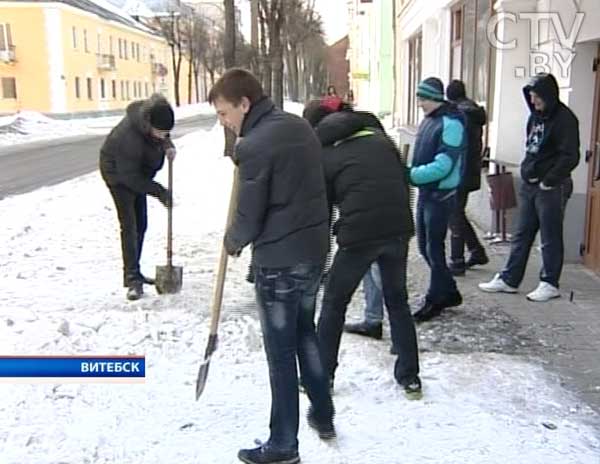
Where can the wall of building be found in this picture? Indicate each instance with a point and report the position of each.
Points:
(338, 67)
(30, 68)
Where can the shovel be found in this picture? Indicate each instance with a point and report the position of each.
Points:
(169, 278)
(217, 297)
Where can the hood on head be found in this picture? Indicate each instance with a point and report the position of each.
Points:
(138, 112)
(546, 87)
(342, 124)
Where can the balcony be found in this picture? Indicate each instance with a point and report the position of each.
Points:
(8, 55)
(159, 69)
(105, 62)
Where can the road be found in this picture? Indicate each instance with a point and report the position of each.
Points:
(29, 166)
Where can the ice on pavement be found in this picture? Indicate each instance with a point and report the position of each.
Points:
(60, 262)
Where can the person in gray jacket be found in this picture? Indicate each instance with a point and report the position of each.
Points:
(130, 157)
(282, 211)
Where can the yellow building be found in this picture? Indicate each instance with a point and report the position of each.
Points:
(76, 56)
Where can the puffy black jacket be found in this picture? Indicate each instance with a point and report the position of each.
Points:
(365, 179)
(130, 156)
(552, 150)
(476, 118)
(282, 204)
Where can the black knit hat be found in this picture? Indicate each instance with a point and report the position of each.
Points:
(431, 89)
(456, 90)
(162, 116)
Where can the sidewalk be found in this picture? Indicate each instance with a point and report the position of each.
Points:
(567, 332)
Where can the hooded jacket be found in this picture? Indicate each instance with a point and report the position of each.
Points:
(282, 204)
(552, 149)
(476, 118)
(130, 156)
(365, 178)
(440, 152)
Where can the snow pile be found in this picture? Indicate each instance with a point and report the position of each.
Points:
(60, 269)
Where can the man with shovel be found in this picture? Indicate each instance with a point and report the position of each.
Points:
(132, 154)
(282, 211)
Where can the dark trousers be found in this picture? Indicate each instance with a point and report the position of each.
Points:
(541, 210)
(462, 232)
(286, 299)
(133, 220)
(348, 268)
(432, 224)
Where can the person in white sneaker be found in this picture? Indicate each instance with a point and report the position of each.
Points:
(552, 152)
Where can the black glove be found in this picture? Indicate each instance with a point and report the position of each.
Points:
(165, 198)
(232, 249)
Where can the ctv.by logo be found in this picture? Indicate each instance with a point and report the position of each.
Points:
(559, 60)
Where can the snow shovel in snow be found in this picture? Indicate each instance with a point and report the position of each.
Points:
(217, 298)
(169, 278)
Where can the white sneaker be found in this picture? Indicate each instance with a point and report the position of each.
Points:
(497, 285)
(544, 292)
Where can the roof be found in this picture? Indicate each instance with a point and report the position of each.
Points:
(102, 9)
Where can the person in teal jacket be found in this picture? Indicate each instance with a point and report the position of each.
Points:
(437, 170)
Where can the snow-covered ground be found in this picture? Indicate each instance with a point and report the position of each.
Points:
(60, 294)
(30, 126)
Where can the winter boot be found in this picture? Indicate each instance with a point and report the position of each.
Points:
(265, 454)
(325, 428)
(412, 388)
(135, 291)
(365, 329)
(478, 258)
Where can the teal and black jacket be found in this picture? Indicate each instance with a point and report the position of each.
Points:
(440, 151)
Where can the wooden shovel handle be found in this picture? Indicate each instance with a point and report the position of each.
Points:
(217, 297)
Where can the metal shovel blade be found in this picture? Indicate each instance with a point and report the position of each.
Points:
(168, 279)
(211, 347)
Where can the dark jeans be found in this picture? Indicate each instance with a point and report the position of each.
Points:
(133, 219)
(432, 224)
(348, 268)
(541, 210)
(286, 299)
(462, 232)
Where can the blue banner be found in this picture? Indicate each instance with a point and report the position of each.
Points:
(72, 366)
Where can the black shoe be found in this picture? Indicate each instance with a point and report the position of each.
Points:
(325, 429)
(457, 269)
(265, 454)
(366, 329)
(454, 299)
(147, 280)
(478, 258)
(412, 388)
(135, 291)
(428, 311)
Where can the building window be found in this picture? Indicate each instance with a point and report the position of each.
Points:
(99, 39)
(120, 48)
(414, 76)
(122, 90)
(74, 37)
(85, 41)
(456, 43)
(137, 52)
(77, 88)
(9, 88)
(125, 49)
(114, 90)
(89, 89)
(102, 89)
(132, 51)
(111, 48)
(127, 89)
(146, 89)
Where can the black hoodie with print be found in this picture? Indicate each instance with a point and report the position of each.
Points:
(552, 149)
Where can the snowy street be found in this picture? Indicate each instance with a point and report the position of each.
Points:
(486, 399)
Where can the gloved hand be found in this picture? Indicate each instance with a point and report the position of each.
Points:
(165, 198)
(232, 249)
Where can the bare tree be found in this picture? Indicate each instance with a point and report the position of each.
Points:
(271, 15)
(170, 28)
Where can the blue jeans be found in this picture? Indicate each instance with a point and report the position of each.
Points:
(348, 268)
(373, 295)
(432, 225)
(541, 210)
(286, 299)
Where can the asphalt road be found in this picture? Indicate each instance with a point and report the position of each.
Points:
(29, 166)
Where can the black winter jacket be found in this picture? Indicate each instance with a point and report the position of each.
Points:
(282, 204)
(552, 150)
(365, 179)
(476, 118)
(130, 156)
